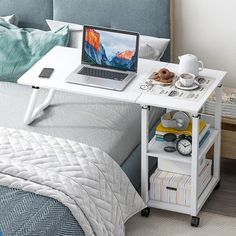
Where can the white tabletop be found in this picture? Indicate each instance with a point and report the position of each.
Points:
(65, 60)
(183, 105)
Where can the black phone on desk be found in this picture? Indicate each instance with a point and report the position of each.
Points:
(46, 73)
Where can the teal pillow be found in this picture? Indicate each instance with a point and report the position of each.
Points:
(21, 48)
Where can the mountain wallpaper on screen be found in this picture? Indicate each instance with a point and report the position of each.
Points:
(96, 53)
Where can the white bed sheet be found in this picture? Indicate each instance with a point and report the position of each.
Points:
(109, 125)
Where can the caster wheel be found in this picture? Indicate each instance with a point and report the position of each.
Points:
(145, 212)
(195, 221)
(217, 186)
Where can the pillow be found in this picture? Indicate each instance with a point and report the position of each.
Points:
(21, 48)
(149, 47)
(10, 19)
(152, 48)
(76, 32)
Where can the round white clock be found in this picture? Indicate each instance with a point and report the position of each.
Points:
(184, 145)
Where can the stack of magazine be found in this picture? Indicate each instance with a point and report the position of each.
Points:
(204, 131)
(228, 103)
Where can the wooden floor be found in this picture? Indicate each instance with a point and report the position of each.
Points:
(223, 200)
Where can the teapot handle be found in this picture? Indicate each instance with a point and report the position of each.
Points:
(201, 65)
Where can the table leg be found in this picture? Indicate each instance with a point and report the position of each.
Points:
(144, 147)
(195, 161)
(32, 112)
(217, 146)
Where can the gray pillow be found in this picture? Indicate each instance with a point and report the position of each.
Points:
(10, 19)
(76, 32)
(151, 48)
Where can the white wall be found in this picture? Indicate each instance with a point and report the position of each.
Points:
(207, 28)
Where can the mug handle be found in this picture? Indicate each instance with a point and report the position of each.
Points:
(201, 65)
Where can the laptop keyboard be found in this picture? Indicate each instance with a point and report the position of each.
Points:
(102, 73)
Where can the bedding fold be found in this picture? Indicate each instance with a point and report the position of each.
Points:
(83, 178)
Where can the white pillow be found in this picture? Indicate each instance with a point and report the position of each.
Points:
(76, 32)
(149, 47)
(152, 48)
(10, 19)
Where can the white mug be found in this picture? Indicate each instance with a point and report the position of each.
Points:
(187, 79)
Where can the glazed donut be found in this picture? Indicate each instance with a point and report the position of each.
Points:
(172, 74)
(164, 74)
(167, 81)
(155, 76)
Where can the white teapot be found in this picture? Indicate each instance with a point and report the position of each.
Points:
(190, 64)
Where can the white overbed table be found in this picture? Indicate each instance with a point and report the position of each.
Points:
(65, 60)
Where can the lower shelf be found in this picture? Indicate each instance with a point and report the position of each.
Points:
(207, 192)
(169, 206)
(186, 209)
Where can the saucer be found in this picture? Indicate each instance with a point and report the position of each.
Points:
(195, 85)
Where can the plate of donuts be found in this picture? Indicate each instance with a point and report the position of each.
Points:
(163, 77)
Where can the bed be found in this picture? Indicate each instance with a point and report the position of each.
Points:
(111, 126)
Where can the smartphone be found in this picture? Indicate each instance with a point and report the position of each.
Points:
(46, 73)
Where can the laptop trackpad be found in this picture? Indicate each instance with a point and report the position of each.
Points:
(100, 81)
(95, 81)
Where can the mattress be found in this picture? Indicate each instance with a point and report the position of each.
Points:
(112, 126)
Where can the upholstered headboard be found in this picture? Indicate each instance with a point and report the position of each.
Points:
(149, 17)
(30, 13)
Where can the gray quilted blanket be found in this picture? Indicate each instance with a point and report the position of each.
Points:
(83, 178)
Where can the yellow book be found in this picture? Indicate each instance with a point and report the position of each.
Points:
(188, 131)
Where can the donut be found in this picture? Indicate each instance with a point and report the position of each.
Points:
(164, 74)
(172, 74)
(155, 76)
(166, 81)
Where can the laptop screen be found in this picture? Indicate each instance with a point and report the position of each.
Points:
(110, 48)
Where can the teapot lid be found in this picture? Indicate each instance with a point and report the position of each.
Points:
(188, 56)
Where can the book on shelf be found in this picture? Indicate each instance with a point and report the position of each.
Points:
(160, 129)
(204, 134)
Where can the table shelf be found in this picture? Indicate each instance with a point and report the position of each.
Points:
(156, 149)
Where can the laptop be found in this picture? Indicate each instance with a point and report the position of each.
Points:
(109, 58)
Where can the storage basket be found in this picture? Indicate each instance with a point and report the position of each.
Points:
(176, 188)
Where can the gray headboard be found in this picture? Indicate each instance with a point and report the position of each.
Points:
(30, 13)
(149, 17)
